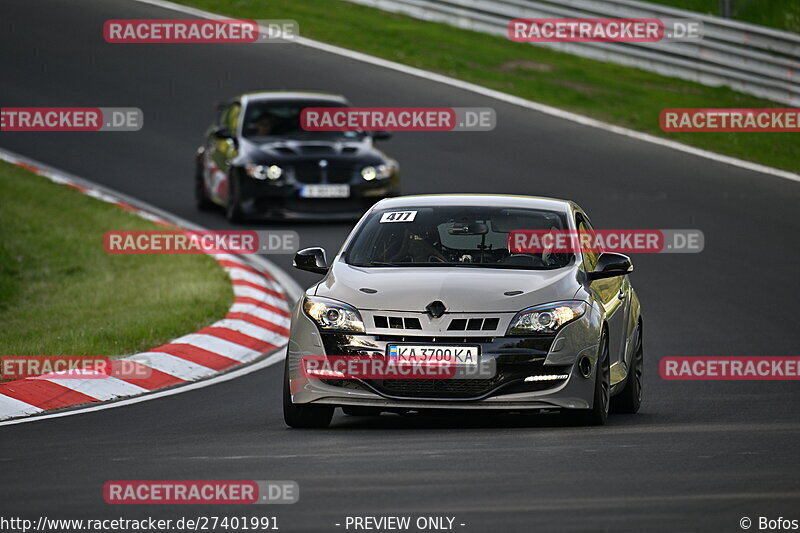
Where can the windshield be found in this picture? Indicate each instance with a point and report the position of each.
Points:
(268, 120)
(453, 236)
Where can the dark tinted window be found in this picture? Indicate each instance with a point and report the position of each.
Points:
(270, 119)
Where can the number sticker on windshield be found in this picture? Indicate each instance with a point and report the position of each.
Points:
(398, 216)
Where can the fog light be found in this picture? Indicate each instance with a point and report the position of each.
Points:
(585, 366)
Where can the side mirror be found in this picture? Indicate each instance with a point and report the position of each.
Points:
(222, 133)
(381, 135)
(610, 265)
(311, 260)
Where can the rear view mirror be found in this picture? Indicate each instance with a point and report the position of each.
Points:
(610, 265)
(311, 260)
(470, 228)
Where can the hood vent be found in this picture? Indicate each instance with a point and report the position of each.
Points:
(317, 149)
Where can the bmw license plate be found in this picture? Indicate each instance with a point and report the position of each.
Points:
(325, 191)
(462, 356)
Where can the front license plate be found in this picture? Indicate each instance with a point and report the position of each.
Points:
(325, 191)
(467, 356)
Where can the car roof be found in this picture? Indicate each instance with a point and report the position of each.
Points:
(293, 95)
(478, 200)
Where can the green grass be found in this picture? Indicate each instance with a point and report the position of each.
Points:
(62, 294)
(612, 93)
(780, 14)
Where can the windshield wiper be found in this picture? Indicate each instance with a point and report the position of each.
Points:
(376, 264)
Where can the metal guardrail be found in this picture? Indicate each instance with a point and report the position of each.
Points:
(748, 58)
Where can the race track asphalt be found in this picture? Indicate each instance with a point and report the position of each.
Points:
(698, 457)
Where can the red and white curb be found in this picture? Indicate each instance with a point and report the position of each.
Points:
(256, 324)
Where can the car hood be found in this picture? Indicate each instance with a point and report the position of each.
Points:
(297, 150)
(461, 289)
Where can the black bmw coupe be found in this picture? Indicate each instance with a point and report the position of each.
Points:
(258, 162)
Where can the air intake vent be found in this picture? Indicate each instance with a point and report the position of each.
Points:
(473, 324)
(316, 149)
(396, 322)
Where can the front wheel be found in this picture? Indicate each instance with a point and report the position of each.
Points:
(630, 399)
(233, 210)
(202, 200)
(303, 416)
(598, 414)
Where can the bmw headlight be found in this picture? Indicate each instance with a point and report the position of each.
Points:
(546, 318)
(380, 172)
(263, 172)
(332, 315)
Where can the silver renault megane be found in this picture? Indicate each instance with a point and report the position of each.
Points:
(437, 279)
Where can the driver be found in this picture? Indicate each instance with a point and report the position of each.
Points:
(419, 246)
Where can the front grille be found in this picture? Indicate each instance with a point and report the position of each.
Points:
(439, 388)
(311, 172)
(423, 340)
(345, 383)
(473, 324)
(396, 322)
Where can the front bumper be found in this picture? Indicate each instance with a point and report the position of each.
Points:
(282, 199)
(516, 358)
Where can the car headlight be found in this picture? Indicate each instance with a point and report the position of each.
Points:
(262, 172)
(332, 315)
(380, 172)
(546, 318)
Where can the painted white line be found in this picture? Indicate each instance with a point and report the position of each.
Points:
(220, 378)
(12, 407)
(503, 97)
(102, 388)
(246, 275)
(175, 366)
(228, 257)
(252, 292)
(252, 330)
(261, 313)
(219, 346)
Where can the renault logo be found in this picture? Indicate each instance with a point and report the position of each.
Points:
(436, 309)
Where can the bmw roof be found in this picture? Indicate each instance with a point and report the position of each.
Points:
(294, 95)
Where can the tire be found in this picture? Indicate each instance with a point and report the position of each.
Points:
(202, 200)
(303, 416)
(233, 209)
(630, 399)
(598, 414)
(355, 410)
